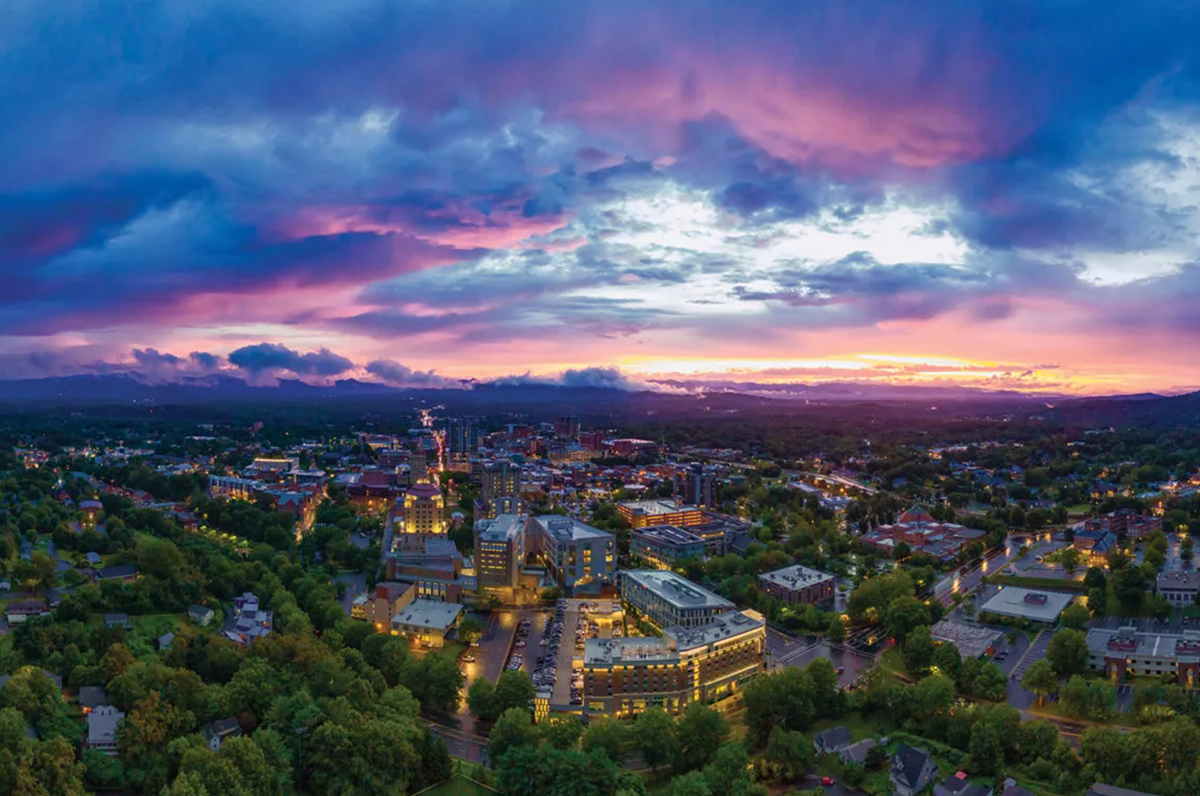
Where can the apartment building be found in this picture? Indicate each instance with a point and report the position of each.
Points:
(705, 663)
(798, 584)
(664, 546)
(576, 555)
(668, 600)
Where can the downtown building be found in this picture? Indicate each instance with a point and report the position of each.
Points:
(798, 585)
(664, 546)
(703, 663)
(668, 600)
(577, 556)
(645, 513)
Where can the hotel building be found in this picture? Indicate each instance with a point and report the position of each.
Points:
(668, 600)
(706, 663)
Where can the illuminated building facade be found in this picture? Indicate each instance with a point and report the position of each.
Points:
(576, 555)
(668, 600)
(424, 511)
(706, 663)
(499, 551)
(664, 546)
(645, 513)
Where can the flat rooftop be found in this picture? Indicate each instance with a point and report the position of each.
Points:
(675, 590)
(654, 507)
(568, 529)
(970, 640)
(675, 640)
(1126, 641)
(723, 626)
(501, 529)
(795, 577)
(1179, 580)
(669, 534)
(428, 614)
(1040, 606)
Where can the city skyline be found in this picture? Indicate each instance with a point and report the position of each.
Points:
(603, 193)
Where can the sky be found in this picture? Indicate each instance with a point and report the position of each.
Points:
(997, 194)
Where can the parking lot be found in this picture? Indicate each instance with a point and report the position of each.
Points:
(1037, 651)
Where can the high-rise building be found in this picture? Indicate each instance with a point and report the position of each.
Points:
(423, 512)
(500, 479)
(566, 427)
(499, 551)
(576, 555)
(462, 441)
(696, 485)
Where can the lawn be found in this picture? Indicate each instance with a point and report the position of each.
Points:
(458, 786)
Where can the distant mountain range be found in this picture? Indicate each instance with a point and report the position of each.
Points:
(676, 396)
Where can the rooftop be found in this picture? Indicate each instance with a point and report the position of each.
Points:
(674, 640)
(723, 626)
(1040, 606)
(795, 577)
(971, 640)
(1179, 580)
(501, 529)
(675, 590)
(568, 529)
(653, 507)
(1126, 640)
(669, 534)
(428, 613)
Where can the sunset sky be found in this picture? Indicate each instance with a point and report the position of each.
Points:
(1000, 194)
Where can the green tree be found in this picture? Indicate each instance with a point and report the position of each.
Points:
(1074, 617)
(918, 651)
(514, 690)
(481, 700)
(611, 736)
(701, 731)
(1040, 679)
(837, 630)
(903, 616)
(987, 754)
(947, 661)
(561, 732)
(654, 735)
(788, 754)
(514, 728)
(1068, 652)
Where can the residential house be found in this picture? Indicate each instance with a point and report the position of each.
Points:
(959, 785)
(832, 741)
(163, 642)
(20, 610)
(912, 770)
(126, 573)
(219, 731)
(117, 620)
(102, 724)
(92, 697)
(93, 558)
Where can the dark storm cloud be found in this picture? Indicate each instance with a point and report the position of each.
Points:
(271, 357)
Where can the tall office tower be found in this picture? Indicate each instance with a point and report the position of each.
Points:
(500, 479)
(696, 485)
(566, 427)
(462, 441)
